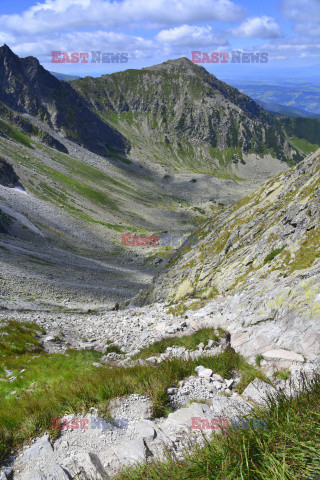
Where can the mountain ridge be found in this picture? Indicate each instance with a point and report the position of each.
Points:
(178, 110)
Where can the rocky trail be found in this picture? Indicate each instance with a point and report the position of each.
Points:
(92, 447)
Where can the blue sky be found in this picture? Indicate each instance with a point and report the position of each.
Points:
(154, 31)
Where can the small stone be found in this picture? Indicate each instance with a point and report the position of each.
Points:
(217, 377)
(152, 360)
(203, 372)
(49, 338)
(259, 391)
(229, 382)
(216, 385)
(172, 391)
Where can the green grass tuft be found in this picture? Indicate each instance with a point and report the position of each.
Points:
(190, 342)
(273, 254)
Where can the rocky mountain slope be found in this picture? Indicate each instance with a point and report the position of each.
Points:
(178, 115)
(248, 281)
(274, 230)
(109, 405)
(28, 88)
(61, 234)
(254, 267)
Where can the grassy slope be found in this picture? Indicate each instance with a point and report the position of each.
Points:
(114, 200)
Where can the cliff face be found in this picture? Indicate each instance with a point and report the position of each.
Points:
(8, 177)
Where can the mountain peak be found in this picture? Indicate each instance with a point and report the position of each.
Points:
(182, 63)
(7, 56)
(5, 50)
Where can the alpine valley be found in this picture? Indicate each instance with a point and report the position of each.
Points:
(137, 340)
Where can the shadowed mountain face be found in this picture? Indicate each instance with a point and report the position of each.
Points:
(27, 87)
(179, 111)
(8, 177)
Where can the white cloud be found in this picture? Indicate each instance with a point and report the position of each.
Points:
(302, 10)
(263, 27)
(6, 38)
(309, 55)
(83, 42)
(308, 28)
(172, 43)
(305, 14)
(293, 47)
(192, 36)
(62, 15)
(59, 5)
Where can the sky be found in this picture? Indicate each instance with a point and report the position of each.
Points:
(153, 31)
